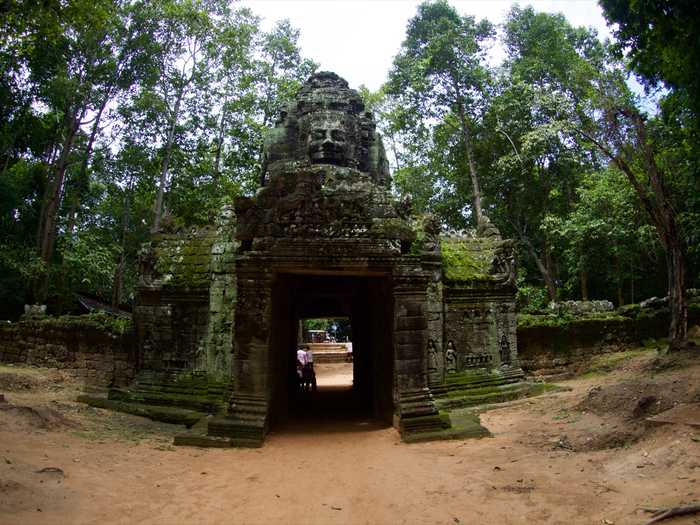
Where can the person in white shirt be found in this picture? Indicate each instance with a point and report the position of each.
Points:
(305, 369)
(302, 358)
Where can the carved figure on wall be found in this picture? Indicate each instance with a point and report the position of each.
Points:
(432, 356)
(405, 206)
(503, 264)
(432, 229)
(486, 229)
(505, 350)
(450, 358)
(147, 265)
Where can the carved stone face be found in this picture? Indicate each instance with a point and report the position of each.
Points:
(326, 124)
(327, 139)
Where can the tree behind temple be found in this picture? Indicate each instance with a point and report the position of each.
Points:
(440, 76)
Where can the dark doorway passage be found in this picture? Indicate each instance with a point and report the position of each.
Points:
(364, 301)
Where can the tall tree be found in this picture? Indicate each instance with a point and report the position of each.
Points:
(534, 166)
(441, 74)
(662, 40)
(623, 135)
(187, 29)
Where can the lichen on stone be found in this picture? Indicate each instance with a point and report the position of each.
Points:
(466, 259)
(103, 321)
(183, 260)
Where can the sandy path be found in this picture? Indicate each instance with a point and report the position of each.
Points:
(353, 472)
(333, 374)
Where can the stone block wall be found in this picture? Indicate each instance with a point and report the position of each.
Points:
(80, 345)
(185, 300)
(171, 329)
(480, 324)
(560, 347)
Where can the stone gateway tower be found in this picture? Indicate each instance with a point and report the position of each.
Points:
(218, 308)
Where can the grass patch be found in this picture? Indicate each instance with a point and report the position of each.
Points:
(605, 363)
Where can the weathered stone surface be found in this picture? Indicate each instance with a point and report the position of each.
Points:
(325, 236)
(327, 124)
(87, 347)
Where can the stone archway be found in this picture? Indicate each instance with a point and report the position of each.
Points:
(362, 299)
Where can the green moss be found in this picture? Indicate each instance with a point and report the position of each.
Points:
(174, 415)
(567, 321)
(392, 229)
(462, 262)
(103, 321)
(418, 243)
(184, 260)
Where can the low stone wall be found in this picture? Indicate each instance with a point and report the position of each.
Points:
(92, 348)
(559, 347)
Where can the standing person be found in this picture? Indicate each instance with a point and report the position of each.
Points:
(309, 372)
(301, 364)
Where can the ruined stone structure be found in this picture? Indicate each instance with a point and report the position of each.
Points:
(433, 314)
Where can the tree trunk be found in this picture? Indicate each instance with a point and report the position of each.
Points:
(158, 206)
(631, 283)
(583, 276)
(46, 231)
(620, 282)
(75, 201)
(220, 142)
(678, 329)
(47, 217)
(476, 188)
(118, 283)
(544, 271)
(657, 204)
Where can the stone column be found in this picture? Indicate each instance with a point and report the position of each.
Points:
(247, 420)
(414, 410)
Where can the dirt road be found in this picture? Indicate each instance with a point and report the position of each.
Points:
(547, 462)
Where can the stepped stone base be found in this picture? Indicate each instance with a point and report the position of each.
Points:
(418, 415)
(164, 414)
(332, 357)
(480, 387)
(246, 423)
(186, 390)
(170, 396)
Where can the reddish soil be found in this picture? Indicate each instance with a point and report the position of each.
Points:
(585, 456)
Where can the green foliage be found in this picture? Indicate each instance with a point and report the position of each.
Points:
(439, 85)
(605, 223)
(461, 262)
(531, 299)
(661, 40)
(88, 264)
(568, 321)
(316, 324)
(100, 100)
(118, 325)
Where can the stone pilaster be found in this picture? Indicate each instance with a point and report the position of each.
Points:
(414, 410)
(247, 420)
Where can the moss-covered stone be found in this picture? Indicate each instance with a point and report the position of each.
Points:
(178, 416)
(466, 259)
(184, 260)
(566, 321)
(392, 228)
(102, 321)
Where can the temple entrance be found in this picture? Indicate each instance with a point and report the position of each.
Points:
(364, 303)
